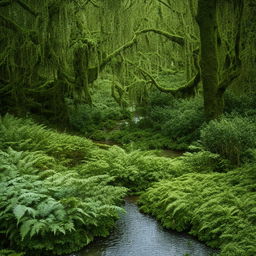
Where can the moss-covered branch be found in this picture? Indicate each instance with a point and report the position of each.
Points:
(93, 72)
(26, 7)
(94, 4)
(117, 52)
(174, 38)
(232, 75)
(165, 4)
(10, 24)
(185, 90)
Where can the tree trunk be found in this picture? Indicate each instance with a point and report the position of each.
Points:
(207, 21)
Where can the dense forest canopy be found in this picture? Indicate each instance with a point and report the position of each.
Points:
(54, 50)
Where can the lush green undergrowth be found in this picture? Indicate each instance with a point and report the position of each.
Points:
(218, 208)
(165, 122)
(137, 170)
(46, 206)
(232, 137)
(24, 134)
(59, 191)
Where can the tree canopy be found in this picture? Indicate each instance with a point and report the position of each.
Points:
(53, 50)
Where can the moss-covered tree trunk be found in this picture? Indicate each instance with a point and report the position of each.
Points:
(207, 20)
(81, 67)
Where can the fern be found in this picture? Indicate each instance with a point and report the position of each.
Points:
(24, 134)
(64, 208)
(210, 206)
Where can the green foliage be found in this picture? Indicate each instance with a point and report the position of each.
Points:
(134, 138)
(24, 134)
(181, 121)
(47, 207)
(59, 214)
(230, 137)
(217, 208)
(241, 104)
(201, 161)
(105, 114)
(165, 122)
(10, 253)
(137, 170)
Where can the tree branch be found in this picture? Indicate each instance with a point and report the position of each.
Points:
(93, 72)
(174, 38)
(27, 7)
(165, 4)
(230, 77)
(187, 89)
(94, 4)
(6, 22)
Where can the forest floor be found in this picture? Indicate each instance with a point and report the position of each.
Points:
(59, 191)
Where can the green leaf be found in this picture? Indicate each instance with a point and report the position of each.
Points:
(26, 227)
(19, 211)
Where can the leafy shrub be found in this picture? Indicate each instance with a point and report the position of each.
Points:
(185, 118)
(160, 99)
(230, 137)
(179, 122)
(59, 213)
(217, 208)
(242, 104)
(83, 117)
(200, 162)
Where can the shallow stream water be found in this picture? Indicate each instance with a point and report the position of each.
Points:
(137, 234)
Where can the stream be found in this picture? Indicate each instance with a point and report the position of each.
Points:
(137, 234)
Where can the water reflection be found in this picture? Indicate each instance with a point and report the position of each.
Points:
(139, 235)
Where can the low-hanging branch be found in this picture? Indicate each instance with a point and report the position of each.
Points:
(117, 52)
(187, 89)
(8, 23)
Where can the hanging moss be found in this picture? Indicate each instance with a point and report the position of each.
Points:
(35, 42)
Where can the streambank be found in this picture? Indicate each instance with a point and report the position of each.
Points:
(137, 234)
